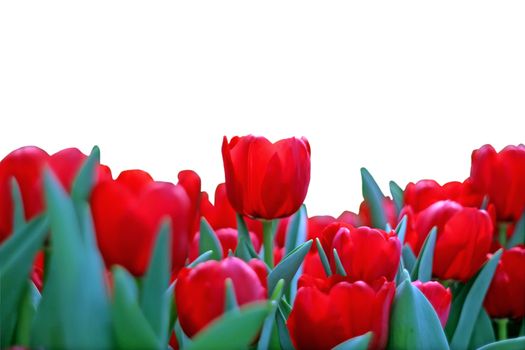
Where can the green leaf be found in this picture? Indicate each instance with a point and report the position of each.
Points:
(201, 258)
(285, 307)
(182, 338)
(269, 322)
(231, 301)
(356, 343)
(483, 332)
(209, 241)
(85, 179)
(409, 258)
(473, 302)
(75, 272)
(132, 330)
(18, 206)
(413, 322)
(339, 268)
(397, 194)
(296, 230)
(323, 257)
(153, 300)
(288, 266)
(374, 199)
(245, 250)
(518, 236)
(284, 334)
(401, 229)
(17, 254)
(422, 269)
(26, 314)
(234, 330)
(508, 344)
(400, 272)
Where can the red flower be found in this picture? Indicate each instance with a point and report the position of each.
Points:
(366, 253)
(127, 214)
(463, 240)
(26, 165)
(506, 294)
(227, 239)
(200, 291)
(501, 176)
(266, 180)
(439, 296)
(328, 312)
(191, 182)
(316, 225)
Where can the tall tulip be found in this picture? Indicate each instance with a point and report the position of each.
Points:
(127, 214)
(200, 291)
(326, 312)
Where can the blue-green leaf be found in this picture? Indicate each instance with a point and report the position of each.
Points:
(397, 195)
(26, 314)
(289, 265)
(473, 302)
(234, 330)
(231, 300)
(245, 250)
(132, 330)
(269, 323)
(401, 229)
(296, 230)
(284, 335)
(508, 344)
(339, 268)
(18, 206)
(374, 198)
(201, 258)
(518, 236)
(209, 241)
(323, 257)
(413, 322)
(153, 300)
(423, 267)
(409, 258)
(356, 343)
(483, 332)
(85, 179)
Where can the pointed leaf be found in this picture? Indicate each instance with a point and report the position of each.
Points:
(155, 282)
(209, 241)
(356, 343)
(245, 250)
(288, 266)
(284, 334)
(483, 332)
(397, 195)
(509, 344)
(409, 258)
(323, 257)
(518, 236)
(231, 300)
(339, 268)
(17, 254)
(18, 206)
(296, 230)
(413, 322)
(234, 330)
(201, 258)
(473, 303)
(374, 199)
(423, 268)
(269, 322)
(26, 314)
(85, 179)
(401, 229)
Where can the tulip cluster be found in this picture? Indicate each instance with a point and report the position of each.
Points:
(94, 260)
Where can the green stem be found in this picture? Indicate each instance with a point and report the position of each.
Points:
(502, 328)
(268, 242)
(502, 233)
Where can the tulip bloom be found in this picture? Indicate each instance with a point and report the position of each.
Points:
(327, 312)
(127, 213)
(501, 176)
(366, 253)
(26, 166)
(265, 180)
(200, 291)
(463, 240)
(191, 182)
(228, 239)
(439, 296)
(506, 294)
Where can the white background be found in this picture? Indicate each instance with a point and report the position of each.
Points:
(407, 89)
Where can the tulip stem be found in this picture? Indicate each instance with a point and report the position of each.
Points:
(268, 228)
(502, 328)
(502, 233)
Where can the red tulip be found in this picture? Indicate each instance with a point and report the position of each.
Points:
(227, 240)
(506, 294)
(200, 291)
(266, 180)
(501, 176)
(328, 312)
(366, 253)
(439, 296)
(191, 182)
(316, 225)
(127, 214)
(26, 165)
(463, 240)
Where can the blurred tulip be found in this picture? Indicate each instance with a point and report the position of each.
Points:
(439, 296)
(266, 180)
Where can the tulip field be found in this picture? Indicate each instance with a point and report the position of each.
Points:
(90, 259)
